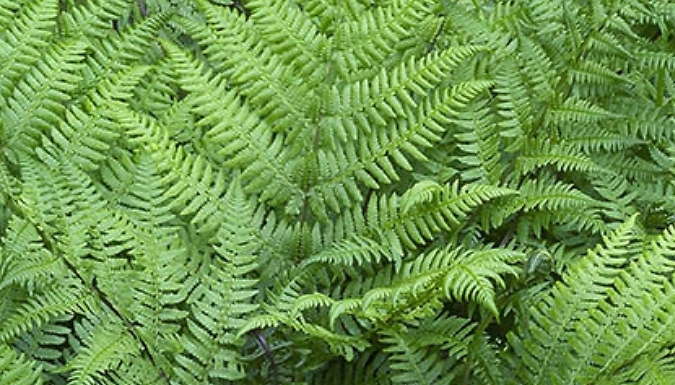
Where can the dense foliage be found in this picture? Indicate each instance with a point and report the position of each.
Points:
(337, 192)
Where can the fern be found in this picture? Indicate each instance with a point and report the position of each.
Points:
(16, 369)
(311, 191)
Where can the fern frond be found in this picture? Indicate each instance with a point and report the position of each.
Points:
(578, 302)
(430, 353)
(190, 177)
(654, 368)
(25, 263)
(85, 133)
(372, 160)
(106, 346)
(260, 75)
(598, 139)
(368, 367)
(56, 301)
(24, 30)
(479, 143)
(221, 303)
(45, 344)
(564, 158)
(242, 141)
(91, 18)
(447, 274)
(37, 102)
(413, 366)
(444, 213)
(369, 103)
(349, 252)
(16, 369)
(291, 34)
(579, 111)
(370, 39)
(552, 197)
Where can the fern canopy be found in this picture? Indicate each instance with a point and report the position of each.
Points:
(350, 192)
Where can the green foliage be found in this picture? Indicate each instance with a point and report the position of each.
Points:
(350, 192)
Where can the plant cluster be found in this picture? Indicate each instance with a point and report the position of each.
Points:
(337, 192)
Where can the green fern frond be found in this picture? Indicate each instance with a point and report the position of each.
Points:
(45, 344)
(90, 18)
(452, 274)
(579, 304)
(368, 367)
(564, 158)
(579, 111)
(190, 177)
(466, 275)
(106, 346)
(25, 263)
(221, 302)
(635, 168)
(349, 252)
(513, 95)
(444, 213)
(37, 102)
(650, 369)
(430, 353)
(290, 33)
(16, 369)
(260, 75)
(599, 139)
(371, 161)
(85, 133)
(24, 30)
(373, 36)
(371, 102)
(136, 372)
(479, 142)
(552, 197)
(231, 141)
(56, 301)
(160, 282)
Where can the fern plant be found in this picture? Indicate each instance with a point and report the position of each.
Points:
(352, 192)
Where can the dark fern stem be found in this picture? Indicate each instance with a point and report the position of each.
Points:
(142, 8)
(239, 6)
(265, 347)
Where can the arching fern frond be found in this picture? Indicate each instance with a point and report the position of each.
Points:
(448, 274)
(63, 298)
(25, 263)
(415, 227)
(415, 364)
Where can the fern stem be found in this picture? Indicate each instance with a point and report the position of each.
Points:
(265, 347)
(142, 8)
